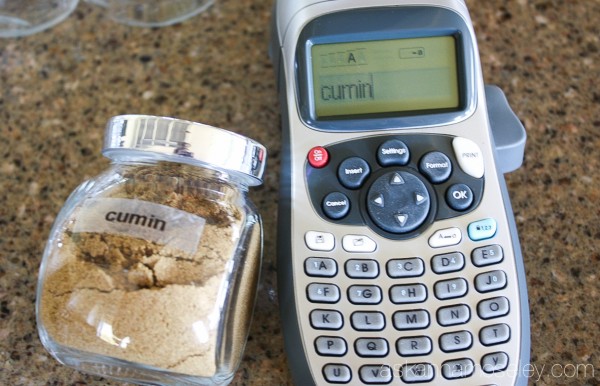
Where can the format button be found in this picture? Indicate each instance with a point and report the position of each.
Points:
(353, 172)
(336, 205)
(436, 166)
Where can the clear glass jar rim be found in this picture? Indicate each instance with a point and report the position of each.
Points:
(131, 137)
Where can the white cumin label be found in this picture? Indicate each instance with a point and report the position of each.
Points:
(141, 219)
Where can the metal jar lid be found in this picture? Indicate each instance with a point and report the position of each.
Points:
(138, 137)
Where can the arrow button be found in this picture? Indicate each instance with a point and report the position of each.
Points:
(396, 179)
(419, 198)
(378, 200)
(402, 219)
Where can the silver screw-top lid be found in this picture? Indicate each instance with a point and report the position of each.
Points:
(138, 137)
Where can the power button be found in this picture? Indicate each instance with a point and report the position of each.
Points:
(318, 157)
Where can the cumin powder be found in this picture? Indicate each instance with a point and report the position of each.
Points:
(152, 303)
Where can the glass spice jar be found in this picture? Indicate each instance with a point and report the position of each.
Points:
(151, 268)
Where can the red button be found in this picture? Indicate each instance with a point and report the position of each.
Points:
(318, 157)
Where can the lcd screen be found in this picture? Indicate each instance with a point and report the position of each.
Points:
(385, 77)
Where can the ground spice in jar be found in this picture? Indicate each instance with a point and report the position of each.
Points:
(147, 302)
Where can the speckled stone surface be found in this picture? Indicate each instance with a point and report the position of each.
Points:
(58, 88)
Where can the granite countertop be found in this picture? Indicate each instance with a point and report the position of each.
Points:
(59, 87)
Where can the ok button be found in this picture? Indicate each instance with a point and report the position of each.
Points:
(459, 197)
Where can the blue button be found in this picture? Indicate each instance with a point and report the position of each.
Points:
(482, 229)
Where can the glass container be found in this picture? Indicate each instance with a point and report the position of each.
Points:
(26, 17)
(151, 268)
(152, 13)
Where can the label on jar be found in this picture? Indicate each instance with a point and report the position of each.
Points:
(141, 219)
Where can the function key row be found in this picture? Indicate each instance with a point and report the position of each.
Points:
(392, 184)
(477, 231)
(353, 172)
(394, 152)
(325, 241)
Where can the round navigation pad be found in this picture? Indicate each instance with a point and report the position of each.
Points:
(398, 202)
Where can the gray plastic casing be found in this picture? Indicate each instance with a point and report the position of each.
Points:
(507, 140)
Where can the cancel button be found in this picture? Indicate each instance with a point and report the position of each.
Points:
(336, 205)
